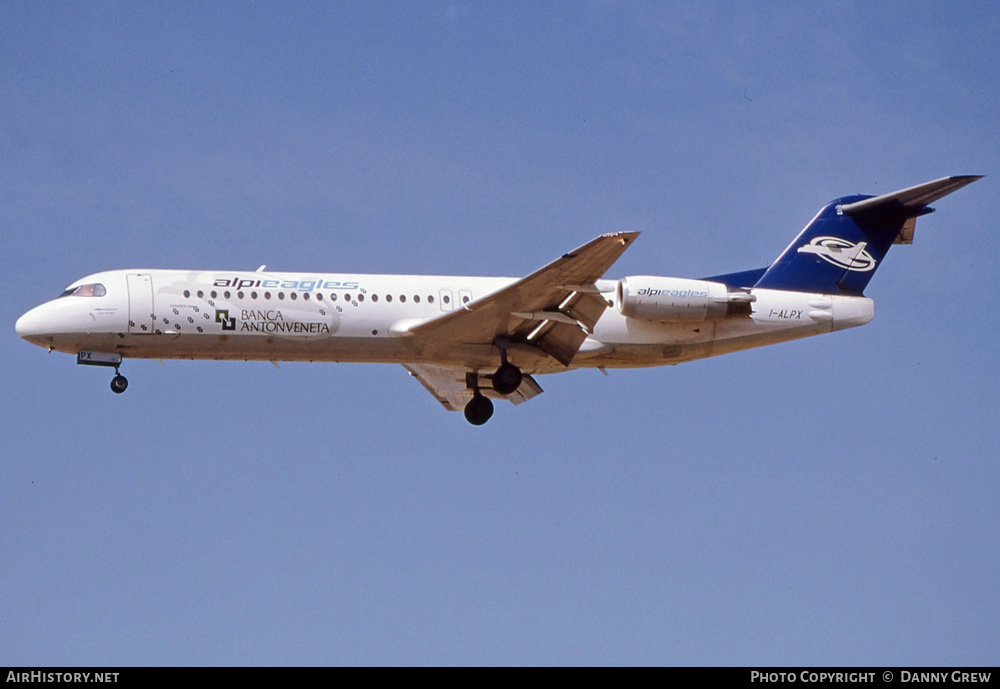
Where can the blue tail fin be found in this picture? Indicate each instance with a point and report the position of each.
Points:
(839, 250)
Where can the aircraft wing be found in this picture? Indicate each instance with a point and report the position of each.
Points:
(449, 387)
(554, 308)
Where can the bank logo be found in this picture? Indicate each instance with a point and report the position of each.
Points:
(841, 253)
(222, 316)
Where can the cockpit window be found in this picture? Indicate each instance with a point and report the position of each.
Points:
(94, 289)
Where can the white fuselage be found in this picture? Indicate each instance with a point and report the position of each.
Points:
(173, 314)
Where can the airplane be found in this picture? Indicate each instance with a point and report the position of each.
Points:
(469, 340)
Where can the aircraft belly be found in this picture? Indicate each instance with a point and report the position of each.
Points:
(636, 343)
(73, 343)
(384, 349)
(258, 348)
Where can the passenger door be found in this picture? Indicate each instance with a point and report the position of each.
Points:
(140, 304)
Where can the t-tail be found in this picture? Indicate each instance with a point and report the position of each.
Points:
(840, 249)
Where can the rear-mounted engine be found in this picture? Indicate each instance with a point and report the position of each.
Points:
(679, 300)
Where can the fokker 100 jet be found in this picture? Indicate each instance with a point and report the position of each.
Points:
(472, 339)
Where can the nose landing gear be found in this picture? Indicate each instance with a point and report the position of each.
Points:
(118, 383)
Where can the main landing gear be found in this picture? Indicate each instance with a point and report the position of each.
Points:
(479, 409)
(505, 380)
(507, 377)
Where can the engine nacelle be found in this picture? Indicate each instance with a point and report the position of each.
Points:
(679, 300)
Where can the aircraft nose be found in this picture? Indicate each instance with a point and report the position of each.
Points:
(32, 325)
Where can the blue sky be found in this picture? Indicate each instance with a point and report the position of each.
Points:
(828, 501)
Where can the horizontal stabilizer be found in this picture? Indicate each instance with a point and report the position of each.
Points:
(909, 202)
